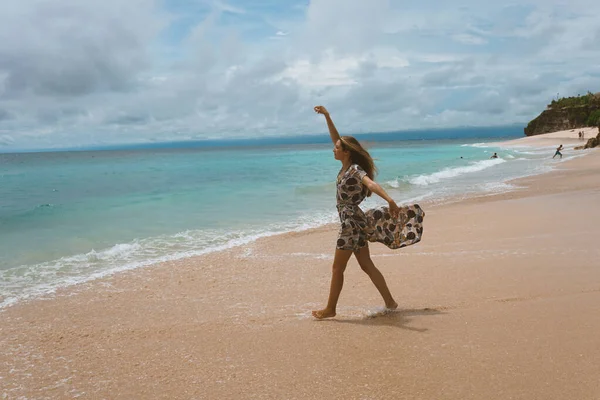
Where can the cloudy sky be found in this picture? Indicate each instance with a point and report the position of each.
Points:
(95, 72)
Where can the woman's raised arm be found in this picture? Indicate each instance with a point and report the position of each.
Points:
(335, 136)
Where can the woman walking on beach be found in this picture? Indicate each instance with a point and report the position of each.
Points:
(394, 226)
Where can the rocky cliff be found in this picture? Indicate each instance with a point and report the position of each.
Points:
(593, 142)
(566, 113)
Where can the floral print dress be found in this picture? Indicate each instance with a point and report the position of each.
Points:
(374, 225)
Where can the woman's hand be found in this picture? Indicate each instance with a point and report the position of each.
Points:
(321, 110)
(394, 209)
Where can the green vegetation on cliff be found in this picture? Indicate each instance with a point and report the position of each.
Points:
(567, 113)
(594, 118)
(587, 99)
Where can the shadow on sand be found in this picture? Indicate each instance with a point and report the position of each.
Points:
(396, 318)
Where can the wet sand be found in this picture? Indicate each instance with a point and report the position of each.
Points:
(499, 301)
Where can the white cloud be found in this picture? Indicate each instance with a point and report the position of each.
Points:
(222, 6)
(327, 71)
(6, 140)
(469, 39)
(102, 72)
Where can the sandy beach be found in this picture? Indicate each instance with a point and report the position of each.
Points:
(567, 137)
(499, 301)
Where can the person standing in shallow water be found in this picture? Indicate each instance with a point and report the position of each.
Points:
(354, 183)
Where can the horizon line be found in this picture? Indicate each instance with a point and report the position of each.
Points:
(317, 138)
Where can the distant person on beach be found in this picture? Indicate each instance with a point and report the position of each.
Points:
(582, 135)
(392, 225)
(579, 134)
(558, 153)
(494, 156)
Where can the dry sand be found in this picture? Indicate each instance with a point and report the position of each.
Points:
(501, 300)
(567, 137)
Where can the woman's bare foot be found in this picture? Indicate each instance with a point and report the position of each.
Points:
(391, 306)
(325, 313)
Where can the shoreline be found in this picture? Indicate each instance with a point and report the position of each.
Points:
(547, 139)
(495, 303)
(569, 136)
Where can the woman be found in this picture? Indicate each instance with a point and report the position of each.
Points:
(390, 225)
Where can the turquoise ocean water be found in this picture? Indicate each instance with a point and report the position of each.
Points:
(71, 216)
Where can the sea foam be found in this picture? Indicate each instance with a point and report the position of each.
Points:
(447, 173)
(29, 281)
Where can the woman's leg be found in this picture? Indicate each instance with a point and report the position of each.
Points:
(340, 261)
(364, 259)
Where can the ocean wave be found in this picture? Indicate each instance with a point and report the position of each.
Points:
(478, 145)
(414, 199)
(497, 187)
(396, 184)
(447, 173)
(534, 153)
(30, 281)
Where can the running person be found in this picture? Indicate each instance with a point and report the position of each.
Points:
(558, 153)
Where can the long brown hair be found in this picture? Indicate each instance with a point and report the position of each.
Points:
(359, 155)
